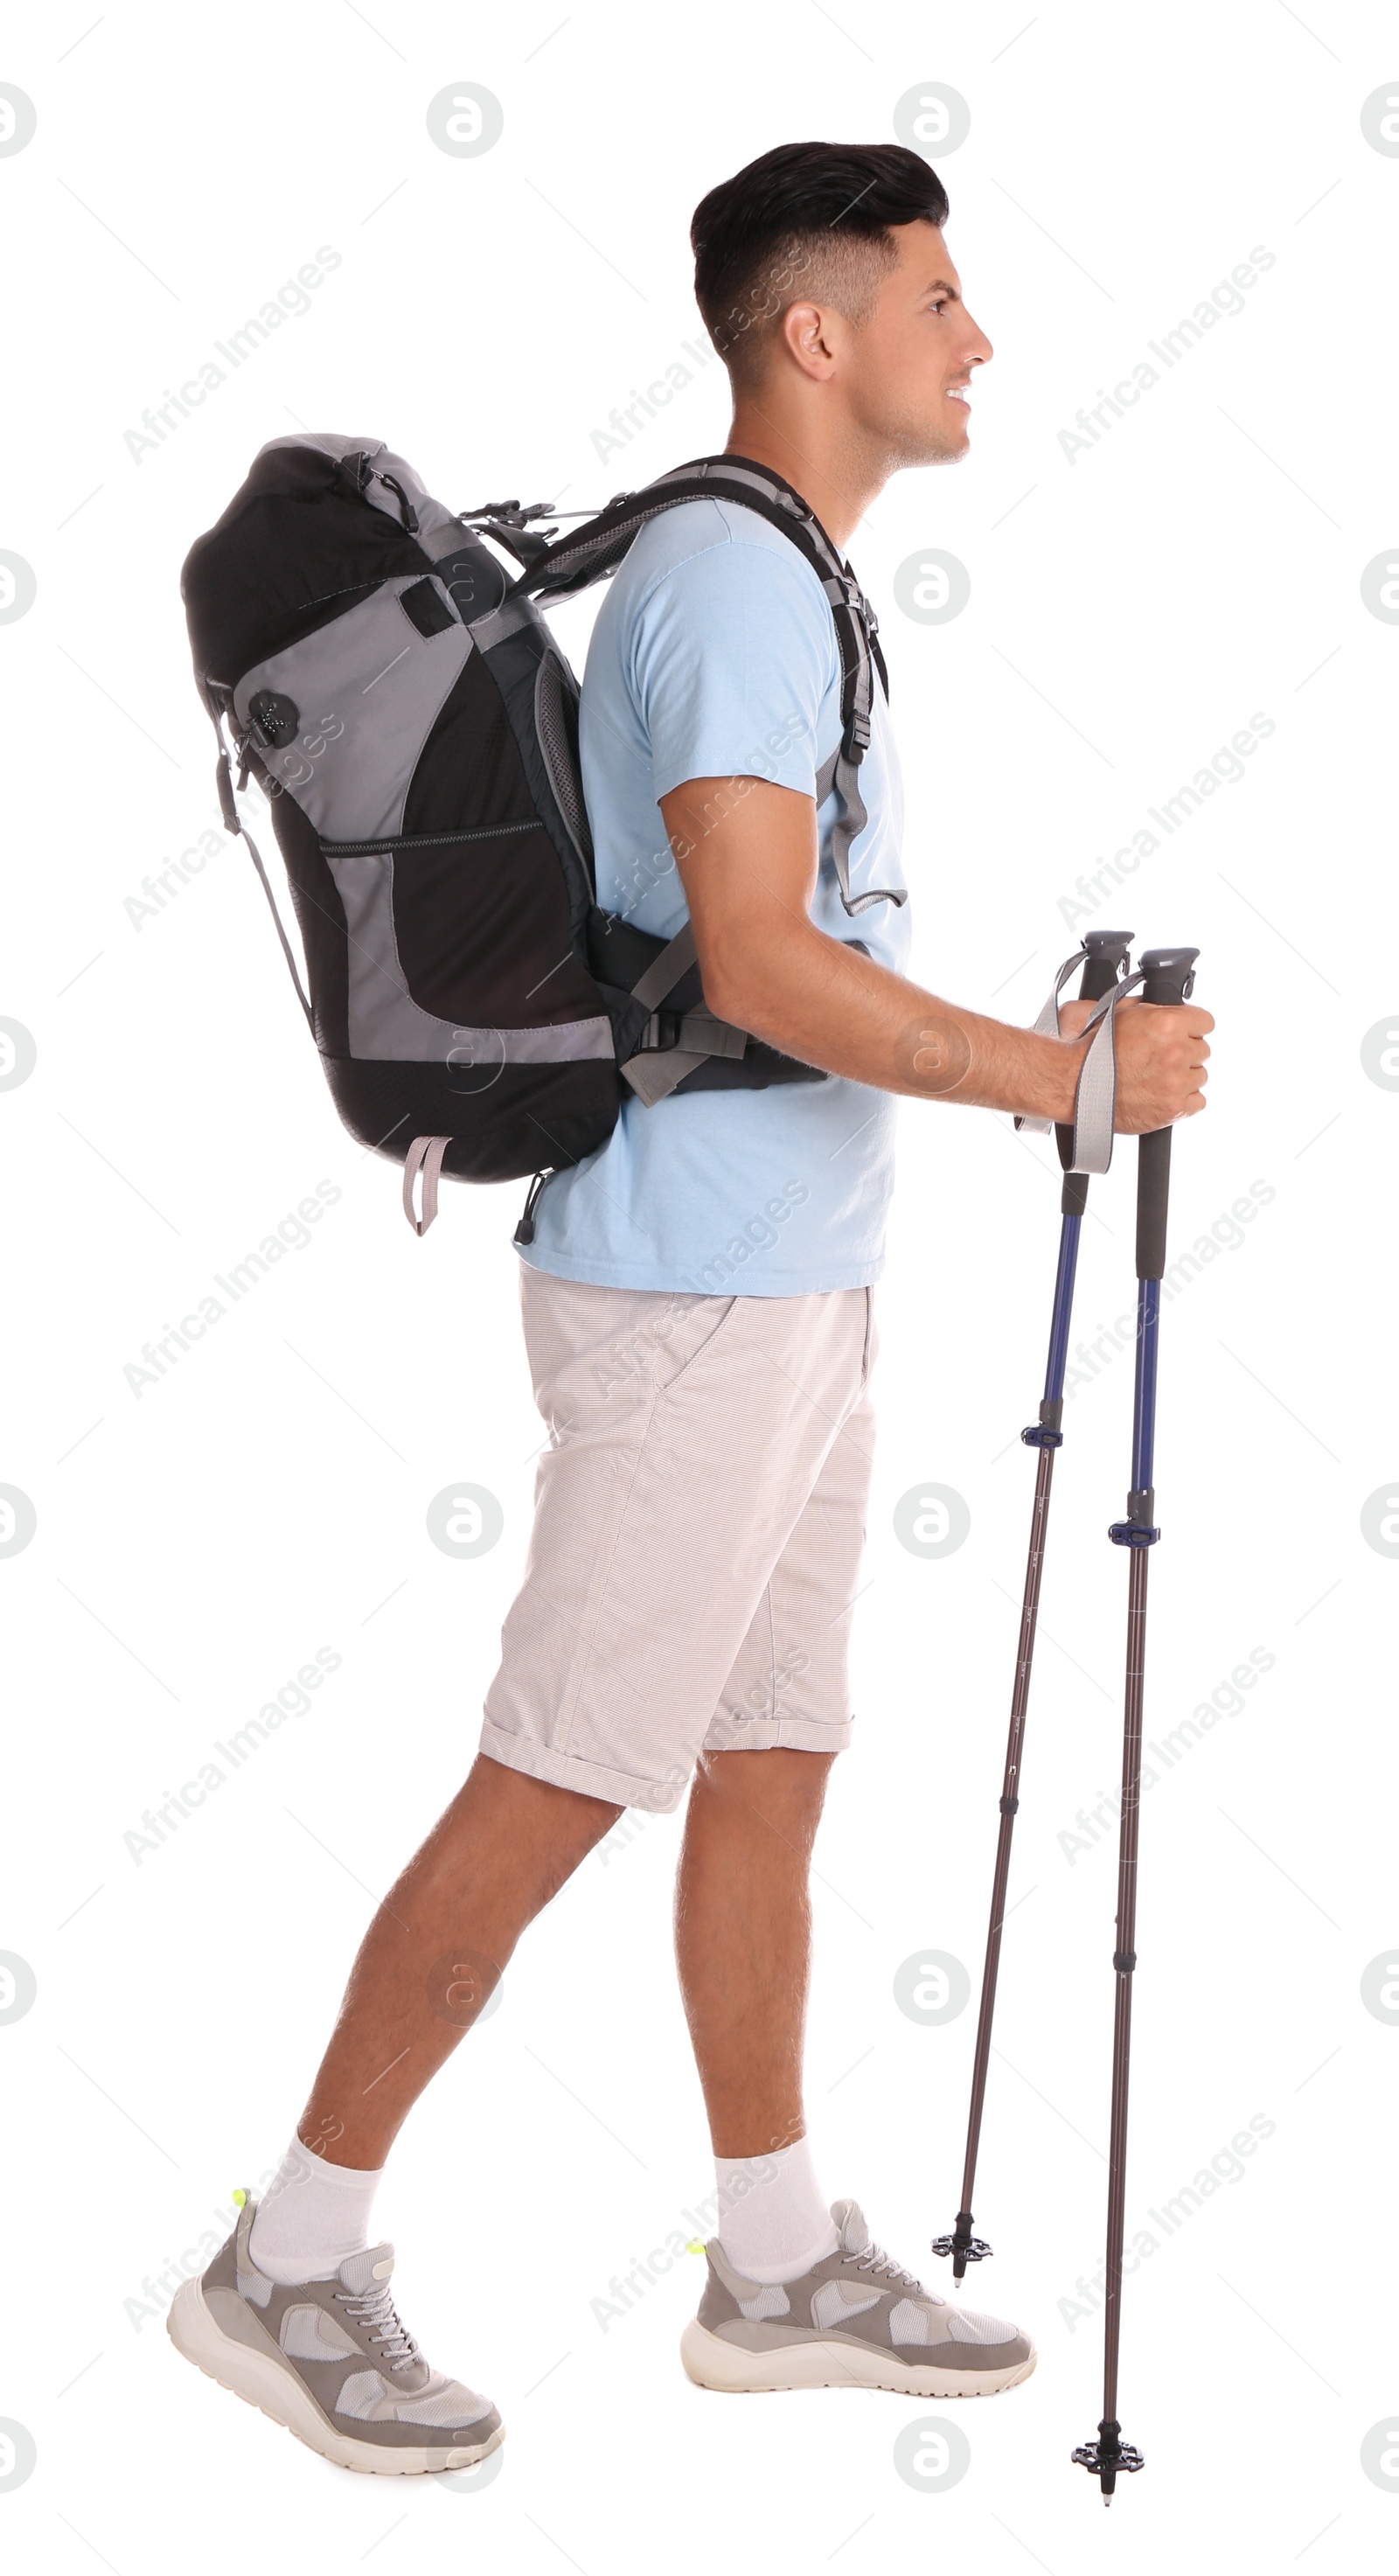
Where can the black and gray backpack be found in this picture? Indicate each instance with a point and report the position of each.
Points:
(414, 724)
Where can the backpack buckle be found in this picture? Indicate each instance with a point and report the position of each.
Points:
(661, 1033)
(857, 603)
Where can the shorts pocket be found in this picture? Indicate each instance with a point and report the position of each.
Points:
(871, 1351)
(695, 1334)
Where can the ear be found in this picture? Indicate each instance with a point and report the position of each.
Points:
(811, 335)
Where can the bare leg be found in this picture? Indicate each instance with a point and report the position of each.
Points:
(437, 1947)
(743, 1939)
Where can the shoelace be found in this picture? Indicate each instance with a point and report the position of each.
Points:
(874, 2259)
(377, 2310)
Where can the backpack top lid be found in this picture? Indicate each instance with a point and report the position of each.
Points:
(296, 546)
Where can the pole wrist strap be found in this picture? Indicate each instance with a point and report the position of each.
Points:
(1095, 1099)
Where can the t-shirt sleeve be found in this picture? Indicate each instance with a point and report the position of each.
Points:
(732, 654)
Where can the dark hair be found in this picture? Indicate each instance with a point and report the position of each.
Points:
(796, 213)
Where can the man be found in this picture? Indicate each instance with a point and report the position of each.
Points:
(698, 1315)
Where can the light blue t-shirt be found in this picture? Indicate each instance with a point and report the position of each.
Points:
(715, 656)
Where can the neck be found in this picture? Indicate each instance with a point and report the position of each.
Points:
(832, 477)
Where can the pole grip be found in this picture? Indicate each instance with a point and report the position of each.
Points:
(1108, 955)
(1169, 978)
(1153, 1193)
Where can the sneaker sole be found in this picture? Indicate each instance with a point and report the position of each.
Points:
(712, 2363)
(279, 2394)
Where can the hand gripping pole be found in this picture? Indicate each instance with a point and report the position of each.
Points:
(1104, 956)
(1086, 1145)
(1167, 977)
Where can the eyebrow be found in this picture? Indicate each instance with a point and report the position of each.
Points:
(941, 285)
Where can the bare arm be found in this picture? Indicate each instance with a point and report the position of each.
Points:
(747, 856)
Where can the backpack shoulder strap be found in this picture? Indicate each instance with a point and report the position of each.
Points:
(574, 563)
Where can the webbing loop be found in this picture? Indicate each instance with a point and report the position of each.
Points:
(424, 1155)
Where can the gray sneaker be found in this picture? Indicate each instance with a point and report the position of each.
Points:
(330, 2361)
(855, 2320)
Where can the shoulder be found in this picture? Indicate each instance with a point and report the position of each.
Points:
(706, 548)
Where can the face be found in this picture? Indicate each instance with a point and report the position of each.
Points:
(914, 358)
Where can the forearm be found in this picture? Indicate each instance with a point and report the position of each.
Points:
(747, 859)
(828, 1005)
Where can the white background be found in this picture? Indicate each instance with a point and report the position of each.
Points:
(1128, 613)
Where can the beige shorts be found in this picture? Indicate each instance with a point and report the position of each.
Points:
(699, 1518)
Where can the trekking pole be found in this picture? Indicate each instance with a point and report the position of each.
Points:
(1167, 976)
(1106, 954)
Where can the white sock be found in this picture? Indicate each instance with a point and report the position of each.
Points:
(773, 2222)
(312, 2214)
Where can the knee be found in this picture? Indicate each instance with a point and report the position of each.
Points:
(779, 1788)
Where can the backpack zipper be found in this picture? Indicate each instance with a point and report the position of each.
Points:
(424, 840)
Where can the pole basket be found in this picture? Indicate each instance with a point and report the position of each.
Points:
(963, 2249)
(1107, 2455)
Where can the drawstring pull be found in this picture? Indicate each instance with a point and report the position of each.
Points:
(524, 1231)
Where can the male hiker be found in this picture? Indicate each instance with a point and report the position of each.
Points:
(697, 1307)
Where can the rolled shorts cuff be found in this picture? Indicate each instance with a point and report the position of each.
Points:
(587, 1779)
(768, 1734)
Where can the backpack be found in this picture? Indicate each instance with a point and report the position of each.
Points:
(414, 725)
